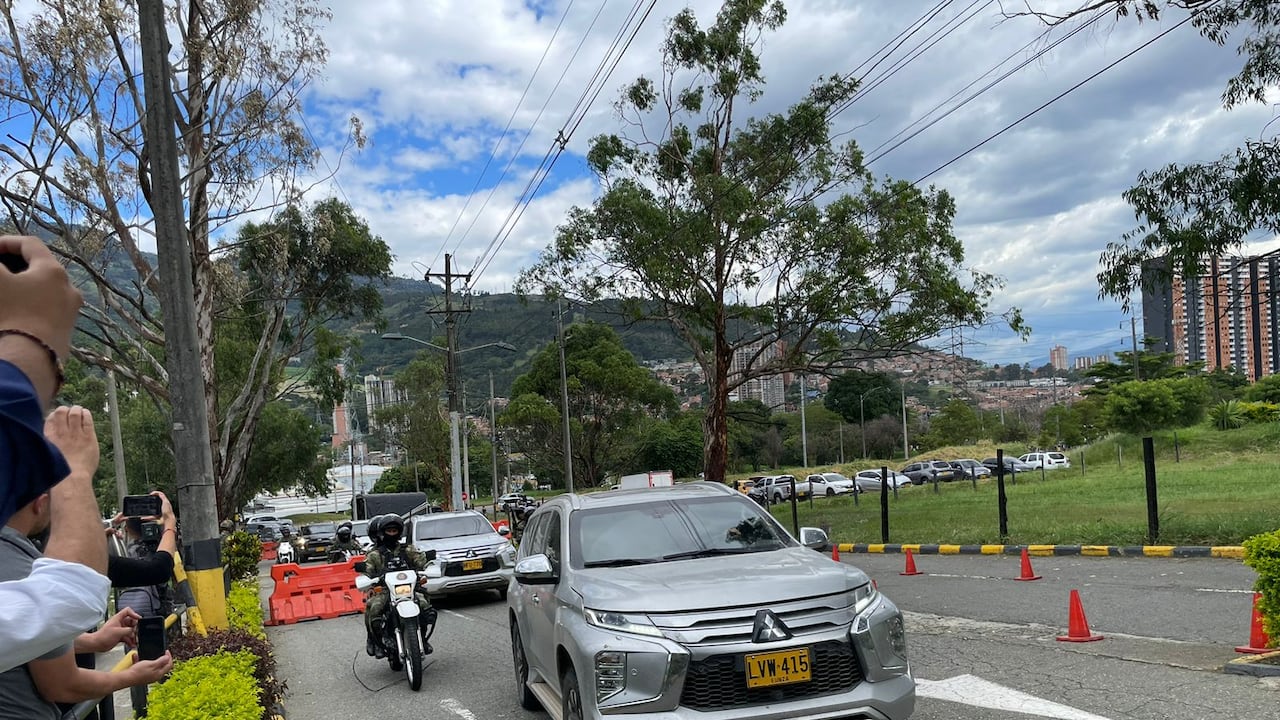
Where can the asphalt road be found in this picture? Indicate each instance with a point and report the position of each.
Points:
(982, 645)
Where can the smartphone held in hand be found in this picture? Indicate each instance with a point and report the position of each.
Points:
(152, 640)
(141, 506)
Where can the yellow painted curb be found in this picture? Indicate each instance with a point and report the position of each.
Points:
(1095, 550)
(992, 549)
(1157, 550)
(1227, 551)
(1041, 550)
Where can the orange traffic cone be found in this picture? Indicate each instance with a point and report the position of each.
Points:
(1258, 640)
(835, 552)
(911, 565)
(1027, 573)
(1078, 628)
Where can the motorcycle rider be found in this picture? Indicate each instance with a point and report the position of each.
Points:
(345, 543)
(387, 531)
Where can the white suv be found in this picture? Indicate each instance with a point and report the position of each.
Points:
(775, 488)
(1047, 460)
(470, 554)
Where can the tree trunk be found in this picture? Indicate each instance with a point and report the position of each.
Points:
(715, 425)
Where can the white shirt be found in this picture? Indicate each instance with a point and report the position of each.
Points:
(50, 607)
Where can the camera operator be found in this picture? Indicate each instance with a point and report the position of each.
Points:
(144, 576)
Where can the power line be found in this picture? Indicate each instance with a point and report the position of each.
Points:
(498, 143)
(562, 140)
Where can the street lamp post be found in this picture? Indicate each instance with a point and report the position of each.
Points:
(862, 416)
(451, 383)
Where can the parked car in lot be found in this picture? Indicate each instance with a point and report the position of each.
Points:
(1011, 464)
(971, 468)
(929, 470)
(829, 484)
(773, 488)
(690, 601)
(870, 481)
(470, 554)
(1047, 460)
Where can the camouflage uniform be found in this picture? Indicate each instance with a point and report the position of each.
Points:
(350, 546)
(376, 604)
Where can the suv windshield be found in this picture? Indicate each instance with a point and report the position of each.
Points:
(327, 528)
(665, 531)
(447, 527)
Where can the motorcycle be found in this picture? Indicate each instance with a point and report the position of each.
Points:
(285, 553)
(341, 556)
(405, 629)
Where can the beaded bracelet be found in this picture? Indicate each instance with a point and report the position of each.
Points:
(58, 377)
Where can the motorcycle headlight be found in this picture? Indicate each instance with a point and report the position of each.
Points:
(621, 622)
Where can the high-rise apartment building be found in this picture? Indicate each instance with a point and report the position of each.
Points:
(768, 390)
(380, 392)
(1058, 357)
(1225, 318)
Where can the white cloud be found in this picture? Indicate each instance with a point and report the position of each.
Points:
(435, 83)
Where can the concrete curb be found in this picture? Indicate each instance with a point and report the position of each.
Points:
(1255, 665)
(1233, 552)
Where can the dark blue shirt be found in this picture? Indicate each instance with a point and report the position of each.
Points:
(29, 464)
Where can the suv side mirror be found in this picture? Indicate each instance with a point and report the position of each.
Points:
(815, 538)
(536, 570)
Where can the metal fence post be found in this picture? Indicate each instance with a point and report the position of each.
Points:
(1153, 510)
(884, 503)
(1002, 500)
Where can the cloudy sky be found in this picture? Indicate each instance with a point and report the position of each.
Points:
(435, 85)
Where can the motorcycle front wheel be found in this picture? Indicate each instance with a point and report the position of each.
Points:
(413, 652)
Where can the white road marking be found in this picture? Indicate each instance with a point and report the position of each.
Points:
(456, 708)
(1224, 590)
(974, 691)
(458, 615)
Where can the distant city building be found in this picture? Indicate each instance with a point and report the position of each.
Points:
(1225, 318)
(1058, 357)
(1082, 363)
(380, 392)
(1104, 357)
(768, 390)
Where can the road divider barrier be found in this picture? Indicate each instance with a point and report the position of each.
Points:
(317, 592)
(269, 550)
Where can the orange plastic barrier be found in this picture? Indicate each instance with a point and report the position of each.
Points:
(269, 550)
(316, 592)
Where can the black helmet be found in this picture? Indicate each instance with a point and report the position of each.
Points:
(344, 532)
(375, 527)
(390, 520)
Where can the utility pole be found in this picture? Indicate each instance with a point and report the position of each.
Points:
(451, 371)
(564, 404)
(467, 496)
(493, 437)
(804, 430)
(117, 443)
(190, 420)
(906, 449)
(1133, 332)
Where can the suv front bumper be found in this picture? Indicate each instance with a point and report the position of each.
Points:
(449, 585)
(660, 676)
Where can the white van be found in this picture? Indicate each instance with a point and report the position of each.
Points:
(1047, 460)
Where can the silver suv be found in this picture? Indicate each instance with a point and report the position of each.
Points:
(470, 553)
(692, 602)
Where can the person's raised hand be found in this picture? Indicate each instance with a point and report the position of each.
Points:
(40, 299)
(166, 508)
(71, 430)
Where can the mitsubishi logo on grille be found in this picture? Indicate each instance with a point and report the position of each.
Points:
(471, 553)
(769, 628)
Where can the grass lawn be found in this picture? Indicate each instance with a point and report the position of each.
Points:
(1224, 488)
(303, 519)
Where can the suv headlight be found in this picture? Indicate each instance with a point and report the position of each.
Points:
(863, 597)
(621, 622)
(506, 554)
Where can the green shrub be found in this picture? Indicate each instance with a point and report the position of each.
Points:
(1228, 415)
(1262, 553)
(1260, 412)
(244, 608)
(241, 553)
(211, 686)
(271, 689)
